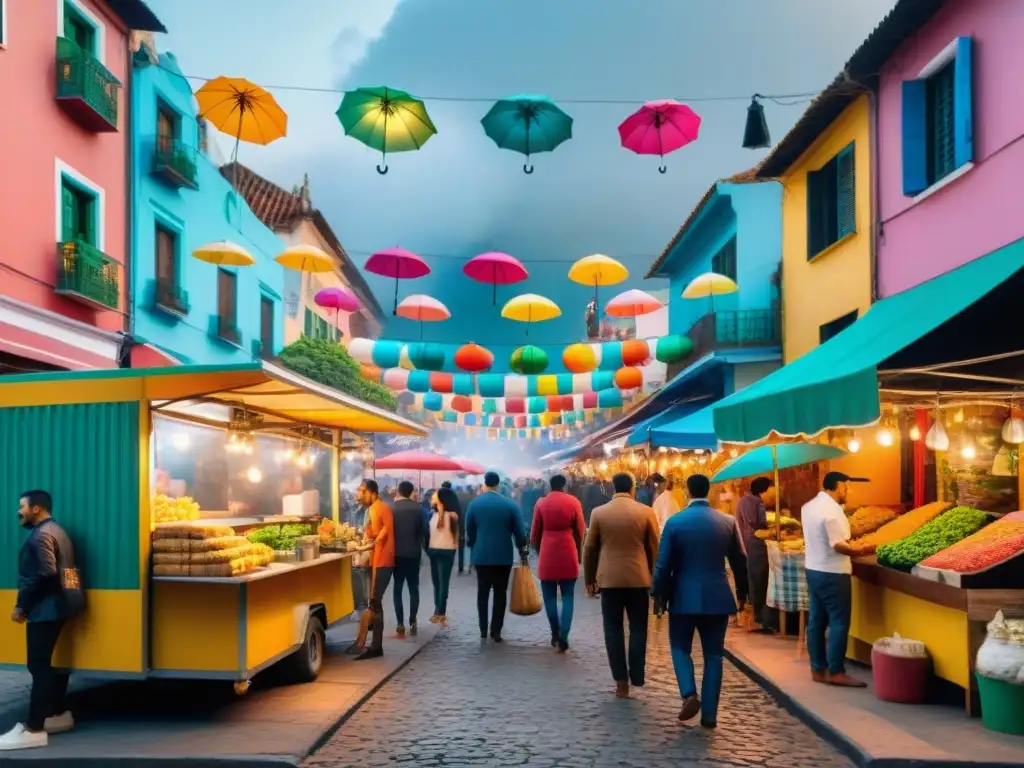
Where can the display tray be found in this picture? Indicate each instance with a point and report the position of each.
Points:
(868, 569)
(1006, 575)
(267, 572)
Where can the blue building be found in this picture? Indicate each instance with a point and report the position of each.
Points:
(188, 310)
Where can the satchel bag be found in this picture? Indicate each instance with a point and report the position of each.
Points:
(525, 600)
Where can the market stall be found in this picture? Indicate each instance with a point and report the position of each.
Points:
(198, 499)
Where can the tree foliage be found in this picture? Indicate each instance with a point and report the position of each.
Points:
(328, 363)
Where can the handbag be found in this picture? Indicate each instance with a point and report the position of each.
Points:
(525, 600)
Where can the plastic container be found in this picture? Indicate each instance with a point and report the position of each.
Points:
(308, 548)
(1002, 705)
(900, 679)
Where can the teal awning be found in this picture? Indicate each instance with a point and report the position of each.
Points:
(836, 384)
(696, 430)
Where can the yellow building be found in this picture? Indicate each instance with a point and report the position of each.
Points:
(824, 165)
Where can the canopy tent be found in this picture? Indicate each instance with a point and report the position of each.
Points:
(260, 387)
(693, 431)
(836, 384)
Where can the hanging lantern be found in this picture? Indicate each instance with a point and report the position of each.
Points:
(635, 352)
(936, 439)
(628, 377)
(529, 360)
(672, 349)
(462, 404)
(425, 356)
(1013, 430)
(579, 358)
(914, 433)
(755, 134)
(473, 358)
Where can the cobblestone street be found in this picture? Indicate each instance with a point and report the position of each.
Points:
(461, 702)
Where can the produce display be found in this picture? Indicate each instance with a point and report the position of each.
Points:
(281, 537)
(785, 521)
(787, 534)
(990, 546)
(168, 510)
(944, 531)
(902, 526)
(869, 519)
(340, 536)
(205, 550)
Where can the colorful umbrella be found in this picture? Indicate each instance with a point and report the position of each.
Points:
(399, 264)
(471, 467)
(495, 268)
(224, 254)
(530, 308)
(527, 124)
(306, 258)
(424, 308)
(659, 127)
(632, 303)
(385, 119)
(709, 285)
(337, 298)
(421, 460)
(597, 270)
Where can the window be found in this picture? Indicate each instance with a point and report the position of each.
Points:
(79, 29)
(227, 305)
(837, 326)
(317, 327)
(168, 128)
(831, 202)
(78, 214)
(724, 262)
(166, 257)
(267, 326)
(938, 119)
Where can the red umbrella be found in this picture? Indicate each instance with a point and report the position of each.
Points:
(421, 460)
(399, 264)
(472, 468)
(495, 268)
(659, 127)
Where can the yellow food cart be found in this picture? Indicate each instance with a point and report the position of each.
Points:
(94, 439)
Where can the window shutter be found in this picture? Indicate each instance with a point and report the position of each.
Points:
(963, 109)
(88, 214)
(68, 209)
(846, 193)
(814, 233)
(915, 142)
(308, 323)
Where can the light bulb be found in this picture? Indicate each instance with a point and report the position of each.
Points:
(884, 437)
(937, 439)
(253, 475)
(1013, 431)
(733, 453)
(958, 417)
(604, 466)
(968, 451)
(853, 446)
(914, 433)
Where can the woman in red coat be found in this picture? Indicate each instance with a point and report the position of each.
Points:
(558, 531)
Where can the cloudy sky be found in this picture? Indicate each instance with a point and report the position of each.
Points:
(460, 195)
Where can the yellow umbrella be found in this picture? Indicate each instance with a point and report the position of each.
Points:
(306, 258)
(530, 308)
(709, 285)
(224, 253)
(596, 270)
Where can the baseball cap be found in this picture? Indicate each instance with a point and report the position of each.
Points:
(832, 479)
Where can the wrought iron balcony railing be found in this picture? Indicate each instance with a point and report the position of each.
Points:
(175, 162)
(85, 88)
(88, 275)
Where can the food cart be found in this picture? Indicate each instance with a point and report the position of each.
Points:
(101, 441)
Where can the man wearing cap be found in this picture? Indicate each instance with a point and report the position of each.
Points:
(829, 569)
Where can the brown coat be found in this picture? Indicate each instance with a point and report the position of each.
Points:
(622, 544)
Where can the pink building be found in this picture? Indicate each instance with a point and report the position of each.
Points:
(950, 155)
(64, 73)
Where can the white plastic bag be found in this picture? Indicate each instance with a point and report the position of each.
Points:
(1001, 656)
(901, 647)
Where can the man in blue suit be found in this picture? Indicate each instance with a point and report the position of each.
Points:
(690, 575)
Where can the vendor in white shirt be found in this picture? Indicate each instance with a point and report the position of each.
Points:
(827, 559)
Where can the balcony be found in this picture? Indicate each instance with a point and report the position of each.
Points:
(171, 297)
(731, 329)
(224, 329)
(87, 275)
(175, 162)
(85, 88)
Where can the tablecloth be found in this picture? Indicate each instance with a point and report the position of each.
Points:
(787, 580)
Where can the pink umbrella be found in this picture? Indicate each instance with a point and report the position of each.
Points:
(472, 468)
(397, 263)
(424, 308)
(659, 127)
(421, 460)
(632, 303)
(337, 298)
(495, 268)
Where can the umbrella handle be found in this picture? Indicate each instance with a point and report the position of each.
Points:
(382, 170)
(528, 169)
(662, 169)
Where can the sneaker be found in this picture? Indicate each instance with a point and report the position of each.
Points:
(843, 680)
(622, 690)
(818, 675)
(400, 631)
(412, 629)
(20, 737)
(496, 637)
(434, 619)
(372, 653)
(709, 724)
(690, 708)
(563, 646)
(61, 723)
(442, 620)
(555, 637)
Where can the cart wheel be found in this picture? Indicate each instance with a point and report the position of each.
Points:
(304, 665)
(242, 687)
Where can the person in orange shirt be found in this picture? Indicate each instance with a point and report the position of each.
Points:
(380, 528)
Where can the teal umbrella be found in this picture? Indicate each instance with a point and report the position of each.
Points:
(527, 124)
(769, 458)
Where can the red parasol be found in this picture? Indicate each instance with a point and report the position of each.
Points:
(497, 269)
(399, 264)
(421, 460)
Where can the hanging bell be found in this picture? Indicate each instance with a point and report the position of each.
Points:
(755, 134)
(1013, 431)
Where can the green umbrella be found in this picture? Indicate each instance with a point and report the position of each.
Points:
(386, 119)
(527, 124)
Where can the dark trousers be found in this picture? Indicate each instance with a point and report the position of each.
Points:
(361, 587)
(380, 586)
(462, 552)
(757, 580)
(831, 600)
(492, 578)
(711, 629)
(635, 603)
(49, 687)
(407, 571)
(441, 561)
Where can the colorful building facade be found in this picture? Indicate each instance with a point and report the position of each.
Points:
(948, 143)
(64, 71)
(189, 310)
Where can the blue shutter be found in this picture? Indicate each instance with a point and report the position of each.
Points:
(963, 112)
(915, 142)
(814, 229)
(846, 193)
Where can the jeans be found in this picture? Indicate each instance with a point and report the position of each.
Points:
(492, 578)
(462, 552)
(757, 580)
(49, 687)
(407, 571)
(441, 562)
(635, 602)
(830, 597)
(559, 626)
(711, 628)
(380, 586)
(361, 587)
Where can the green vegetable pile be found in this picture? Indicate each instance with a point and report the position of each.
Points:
(944, 531)
(280, 537)
(329, 363)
